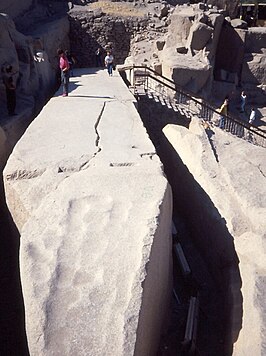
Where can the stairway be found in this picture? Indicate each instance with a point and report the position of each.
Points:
(146, 82)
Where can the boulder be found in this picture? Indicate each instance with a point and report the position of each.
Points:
(201, 17)
(182, 50)
(238, 23)
(215, 19)
(157, 67)
(236, 187)
(160, 44)
(94, 211)
(178, 30)
(255, 39)
(202, 6)
(186, 71)
(199, 35)
(192, 33)
(164, 11)
(254, 68)
(158, 25)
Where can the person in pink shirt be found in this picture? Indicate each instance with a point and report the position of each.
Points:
(64, 66)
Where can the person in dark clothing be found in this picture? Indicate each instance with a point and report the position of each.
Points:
(98, 57)
(243, 99)
(64, 67)
(71, 61)
(10, 85)
(223, 110)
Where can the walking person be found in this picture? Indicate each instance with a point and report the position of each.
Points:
(223, 112)
(10, 85)
(243, 99)
(64, 67)
(252, 116)
(109, 59)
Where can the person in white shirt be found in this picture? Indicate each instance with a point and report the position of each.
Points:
(252, 116)
(109, 60)
(243, 101)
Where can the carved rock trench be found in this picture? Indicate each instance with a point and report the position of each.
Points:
(218, 184)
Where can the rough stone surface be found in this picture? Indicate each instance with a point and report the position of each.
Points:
(13, 7)
(233, 173)
(96, 29)
(230, 6)
(186, 71)
(255, 40)
(238, 23)
(255, 57)
(179, 27)
(87, 192)
(254, 68)
(213, 51)
(160, 45)
(35, 68)
(200, 34)
(193, 69)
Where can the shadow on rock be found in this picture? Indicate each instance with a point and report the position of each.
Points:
(12, 318)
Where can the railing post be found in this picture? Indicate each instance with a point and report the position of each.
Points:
(133, 79)
(204, 110)
(146, 84)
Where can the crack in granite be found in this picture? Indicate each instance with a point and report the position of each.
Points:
(97, 140)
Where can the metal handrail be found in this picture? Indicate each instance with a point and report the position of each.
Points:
(232, 124)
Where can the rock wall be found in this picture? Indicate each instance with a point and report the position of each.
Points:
(95, 29)
(14, 8)
(35, 69)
